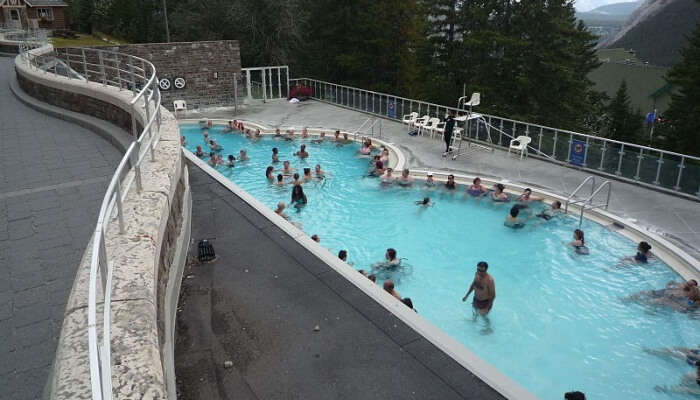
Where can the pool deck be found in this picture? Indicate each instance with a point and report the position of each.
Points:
(675, 218)
(257, 306)
(53, 176)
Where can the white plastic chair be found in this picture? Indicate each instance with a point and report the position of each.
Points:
(179, 105)
(421, 122)
(520, 144)
(475, 100)
(431, 125)
(409, 119)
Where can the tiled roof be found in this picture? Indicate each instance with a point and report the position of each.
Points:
(45, 3)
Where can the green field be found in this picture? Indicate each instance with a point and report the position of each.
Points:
(642, 79)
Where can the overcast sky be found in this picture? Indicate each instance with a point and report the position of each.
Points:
(585, 5)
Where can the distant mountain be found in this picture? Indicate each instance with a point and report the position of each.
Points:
(657, 30)
(626, 8)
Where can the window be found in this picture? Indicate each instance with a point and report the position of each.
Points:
(44, 13)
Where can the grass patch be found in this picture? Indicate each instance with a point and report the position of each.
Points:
(83, 40)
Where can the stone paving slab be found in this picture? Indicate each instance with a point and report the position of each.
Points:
(53, 175)
(257, 306)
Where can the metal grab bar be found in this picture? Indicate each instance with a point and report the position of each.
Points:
(369, 130)
(579, 187)
(587, 204)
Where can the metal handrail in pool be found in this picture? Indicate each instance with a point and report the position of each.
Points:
(138, 75)
(600, 155)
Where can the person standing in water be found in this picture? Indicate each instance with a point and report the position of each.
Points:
(484, 289)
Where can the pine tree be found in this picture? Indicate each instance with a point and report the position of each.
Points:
(624, 123)
(682, 127)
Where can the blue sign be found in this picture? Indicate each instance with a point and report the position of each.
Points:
(651, 117)
(391, 110)
(578, 152)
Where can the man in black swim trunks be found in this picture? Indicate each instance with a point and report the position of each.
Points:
(449, 128)
(484, 289)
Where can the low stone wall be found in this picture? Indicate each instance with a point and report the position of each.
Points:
(147, 259)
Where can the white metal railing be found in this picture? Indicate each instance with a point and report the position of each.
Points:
(666, 170)
(572, 197)
(587, 202)
(273, 82)
(137, 75)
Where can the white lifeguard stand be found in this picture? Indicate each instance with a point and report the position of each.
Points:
(467, 118)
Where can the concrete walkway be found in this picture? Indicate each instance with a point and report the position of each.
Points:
(53, 175)
(678, 219)
(257, 306)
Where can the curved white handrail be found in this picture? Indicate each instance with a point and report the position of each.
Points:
(138, 75)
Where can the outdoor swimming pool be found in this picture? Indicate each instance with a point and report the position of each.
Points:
(557, 324)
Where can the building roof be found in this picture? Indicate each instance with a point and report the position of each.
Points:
(45, 3)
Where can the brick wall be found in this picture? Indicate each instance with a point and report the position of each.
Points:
(196, 62)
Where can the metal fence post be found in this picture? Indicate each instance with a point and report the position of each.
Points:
(640, 156)
(602, 155)
(659, 163)
(619, 161)
(681, 166)
(554, 146)
(85, 70)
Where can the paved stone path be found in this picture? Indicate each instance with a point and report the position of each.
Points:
(53, 175)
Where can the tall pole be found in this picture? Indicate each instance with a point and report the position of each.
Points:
(165, 15)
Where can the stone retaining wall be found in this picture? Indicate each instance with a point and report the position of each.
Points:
(197, 63)
(147, 258)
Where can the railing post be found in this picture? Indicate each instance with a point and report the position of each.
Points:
(120, 208)
(119, 75)
(137, 166)
(681, 166)
(602, 155)
(585, 152)
(619, 161)
(554, 145)
(133, 78)
(287, 70)
(539, 140)
(571, 143)
(372, 102)
(102, 68)
(247, 84)
(279, 81)
(500, 134)
(640, 157)
(85, 70)
(264, 85)
(659, 163)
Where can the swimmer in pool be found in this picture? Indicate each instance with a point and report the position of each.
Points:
(642, 257)
(243, 155)
(320, 139)
(305, 133)
(316, 238)
(450, 184)
(384, 156)
(425, 202)
(429, 181)
(391, 257)
(205, 135)
(550, 213)
(231, 161)
(320, 173)
(289, 135)
(183, 141)
(672, 294)
(296, 180)
(343, 255)
(477, 189)
(248, 133)
(275, 155)
(199, 152)
(526, 197)
(498, 193)
(214, 146)
(287, 169)
(302, 153)
(278, 134)
(280, 180)
(258, 134)
(280, 210)
(690, 355)
(229, 127)
(405, 179)
(690, 383)
(378, 169)
(387, 178)
(298, 197)
(307, 175)
(336, 136)
(366, 147)
(389, 288)
(579, 242)
(512, 220)
(484, 289)
(269, 173)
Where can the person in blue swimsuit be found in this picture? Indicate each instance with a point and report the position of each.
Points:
(477, 189)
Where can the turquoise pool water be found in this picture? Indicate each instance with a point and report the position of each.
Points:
(558, 323)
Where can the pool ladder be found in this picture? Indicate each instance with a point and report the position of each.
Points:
(368, 128)
(587, 202)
